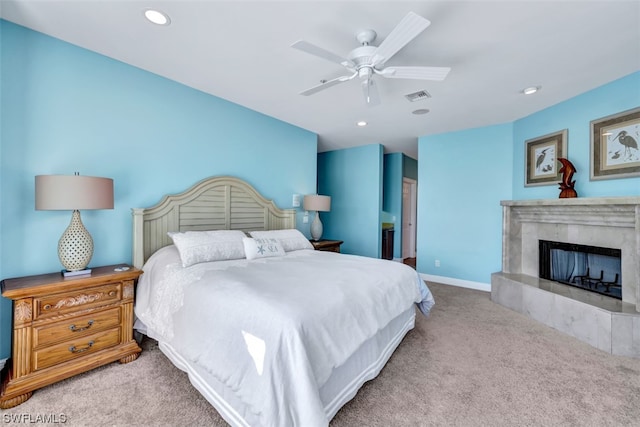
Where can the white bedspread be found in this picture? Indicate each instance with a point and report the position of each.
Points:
(273, 329)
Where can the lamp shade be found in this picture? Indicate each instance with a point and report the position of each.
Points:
(73, 192)
(315, 202)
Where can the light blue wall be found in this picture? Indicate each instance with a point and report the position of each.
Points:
(464, 175)
(392, 196)
(575, 115)
(65, 109)
(392, 179)
(410, 167)
(353, 179)
(462, 178)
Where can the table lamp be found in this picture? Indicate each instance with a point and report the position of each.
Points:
(318, 203)
(74, 192)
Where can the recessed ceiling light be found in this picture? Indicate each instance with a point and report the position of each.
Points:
(361, 123)
(530, 90)
(420, 111)
(157, 17)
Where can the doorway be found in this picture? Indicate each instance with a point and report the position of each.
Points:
(409, 215)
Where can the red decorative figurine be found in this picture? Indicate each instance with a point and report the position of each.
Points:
(566, 186)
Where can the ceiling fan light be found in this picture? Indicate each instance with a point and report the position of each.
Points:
(157, 17)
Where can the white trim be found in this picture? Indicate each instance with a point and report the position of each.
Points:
(2, 362)
(486, 287)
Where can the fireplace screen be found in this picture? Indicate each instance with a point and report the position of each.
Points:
(588, 267)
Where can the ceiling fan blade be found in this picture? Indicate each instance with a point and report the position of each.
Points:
(370, 90)
(410, 26)
(327, 84)
(321, 53)
(417, 73)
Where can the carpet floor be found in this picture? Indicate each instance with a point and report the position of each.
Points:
(471, 363)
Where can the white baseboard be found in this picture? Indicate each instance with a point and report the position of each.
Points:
(457, 282)
(2, 362)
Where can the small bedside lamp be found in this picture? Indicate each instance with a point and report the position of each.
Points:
(74, 192)
(315, 202)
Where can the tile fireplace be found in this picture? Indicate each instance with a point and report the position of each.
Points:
(608, 322)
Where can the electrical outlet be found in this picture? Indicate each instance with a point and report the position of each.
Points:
(437, 263)
(305, 218)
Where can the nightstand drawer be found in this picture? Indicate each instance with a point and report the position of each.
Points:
(71, 349)
(78, 300)
(76, 327)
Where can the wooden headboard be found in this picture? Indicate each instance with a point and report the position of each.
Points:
(217, 203)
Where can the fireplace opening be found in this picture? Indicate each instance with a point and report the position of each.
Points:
(587, 267)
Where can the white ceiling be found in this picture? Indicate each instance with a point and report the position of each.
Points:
(240, 51)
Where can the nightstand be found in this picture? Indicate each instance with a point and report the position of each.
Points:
(65, 326)
(327, 245)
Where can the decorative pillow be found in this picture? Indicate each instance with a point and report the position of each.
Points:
(290, 239)
(204, 246)
(262, 247)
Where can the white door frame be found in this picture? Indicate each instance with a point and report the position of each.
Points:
(409, 211)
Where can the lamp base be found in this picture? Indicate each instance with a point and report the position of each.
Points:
(75, 247)
(67, 273)
(316, 228)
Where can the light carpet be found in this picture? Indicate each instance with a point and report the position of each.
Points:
(471, 363)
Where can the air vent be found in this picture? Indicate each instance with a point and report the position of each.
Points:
(417, 96)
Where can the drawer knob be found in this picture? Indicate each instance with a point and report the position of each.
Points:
(47, 307)
(74, 328)
(112, 293)
(73, 348)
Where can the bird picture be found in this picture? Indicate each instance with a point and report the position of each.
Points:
(540, 158)
(628, 142)
(545, 160)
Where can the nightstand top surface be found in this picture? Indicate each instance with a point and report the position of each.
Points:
(17, 287)
(323, 243)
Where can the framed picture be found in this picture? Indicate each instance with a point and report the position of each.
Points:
(541, 158)
(614, 146)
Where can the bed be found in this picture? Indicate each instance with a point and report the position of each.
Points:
(269, 331)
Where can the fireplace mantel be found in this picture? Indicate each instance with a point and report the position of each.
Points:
(606, 323)
(610, 222)
(604, 211)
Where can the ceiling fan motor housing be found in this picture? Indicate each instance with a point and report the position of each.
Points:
(362, 56)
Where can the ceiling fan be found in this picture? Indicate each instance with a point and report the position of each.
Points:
(366, 61)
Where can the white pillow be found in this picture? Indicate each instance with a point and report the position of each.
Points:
(204, 246)
(290, 239)
(262, 247)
